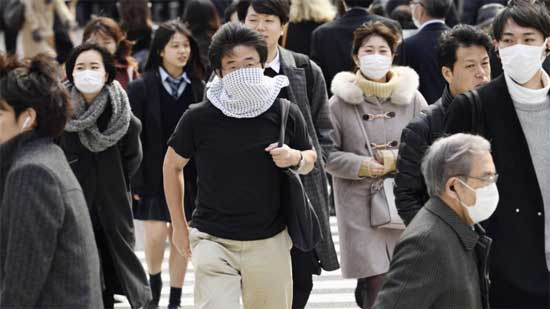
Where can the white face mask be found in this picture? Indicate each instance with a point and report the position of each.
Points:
(521, 62)
(375, 66)
(486, 202)
(88, 81)
(416, 22)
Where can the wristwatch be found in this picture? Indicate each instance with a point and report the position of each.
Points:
(301, 163)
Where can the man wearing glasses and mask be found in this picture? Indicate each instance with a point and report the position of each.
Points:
(442, 258)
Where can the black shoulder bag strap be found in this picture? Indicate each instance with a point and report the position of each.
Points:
(285, 108)
(478, 125)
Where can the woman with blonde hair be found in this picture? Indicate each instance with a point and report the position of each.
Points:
(306, 16)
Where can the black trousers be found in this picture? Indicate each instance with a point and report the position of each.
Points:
(304, 266)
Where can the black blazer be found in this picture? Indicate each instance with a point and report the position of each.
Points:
(298, 36)
(420, 53)
(519, 273)
(144, 96)
(331, 43)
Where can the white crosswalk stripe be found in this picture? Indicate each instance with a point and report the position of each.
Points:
(330, 290)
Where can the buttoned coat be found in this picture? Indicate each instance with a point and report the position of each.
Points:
(365, 251)
(316, 114)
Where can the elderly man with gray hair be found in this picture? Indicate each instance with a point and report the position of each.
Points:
(441, 259)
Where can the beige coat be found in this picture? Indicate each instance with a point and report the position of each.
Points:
(40, 16)
(365, 251)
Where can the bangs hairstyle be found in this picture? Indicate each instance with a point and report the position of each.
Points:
(162, 36)
(279, 8)
(525, 14)
(106, 57)
(108, 27)
(35, 84)
(230, 36)
(375, 28)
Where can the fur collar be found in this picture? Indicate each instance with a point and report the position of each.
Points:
(343, 86)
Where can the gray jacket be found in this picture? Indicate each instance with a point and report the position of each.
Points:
(316, 113)
(48, 256)
(438, 263)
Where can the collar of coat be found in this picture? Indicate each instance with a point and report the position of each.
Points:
(467, 234)
(404, 79)
(9, 151)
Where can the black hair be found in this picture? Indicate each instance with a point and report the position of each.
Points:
(162, 36)
(279, 8)
(201, 16)
(106, 57)
(460, 36)
(525, 14)
(35, 84)
(437, 8)
(358, 3)
(232, 8)
(231, 35)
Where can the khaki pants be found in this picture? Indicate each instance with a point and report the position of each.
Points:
(260, 271)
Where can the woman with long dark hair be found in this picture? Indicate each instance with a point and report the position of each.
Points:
(101, 142)
(106, 32)
(171, 82)
(201, 17)
(48, 253)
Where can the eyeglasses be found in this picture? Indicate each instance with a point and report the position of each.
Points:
(487, 179)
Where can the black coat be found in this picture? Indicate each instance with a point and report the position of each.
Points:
(298, 36)
(105, 180)
(420, 53)
(519, 273)
(331, 43)
(410, 189)
(144, 97)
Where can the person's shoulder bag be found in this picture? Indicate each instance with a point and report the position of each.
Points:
(301, 220)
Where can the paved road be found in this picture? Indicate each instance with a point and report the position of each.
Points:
(330, 290)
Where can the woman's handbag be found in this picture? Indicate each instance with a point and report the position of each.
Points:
(302, 222)
(383, 212)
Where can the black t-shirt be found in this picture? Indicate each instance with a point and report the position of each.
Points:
(238, 182)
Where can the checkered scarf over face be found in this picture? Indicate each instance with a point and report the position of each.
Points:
(245, 93)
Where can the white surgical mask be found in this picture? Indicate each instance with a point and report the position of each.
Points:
(521, 62)
(88, 81)
(416, 22)
(375, 66)
(245, 93)
(486, 202)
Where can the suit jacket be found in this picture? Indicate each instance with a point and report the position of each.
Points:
(331, 43)
(519, 272)
(420, 53)
(48, 254)
(438, 263)
(316, 113)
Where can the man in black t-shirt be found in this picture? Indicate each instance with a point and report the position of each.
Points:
(238, 238)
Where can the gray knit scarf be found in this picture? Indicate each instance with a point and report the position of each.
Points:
(85, 117)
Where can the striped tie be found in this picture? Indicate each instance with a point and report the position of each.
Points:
(174, 84)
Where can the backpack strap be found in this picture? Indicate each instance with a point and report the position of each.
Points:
(478, 125)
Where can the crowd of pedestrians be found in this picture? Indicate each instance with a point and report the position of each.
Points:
(234, 129)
